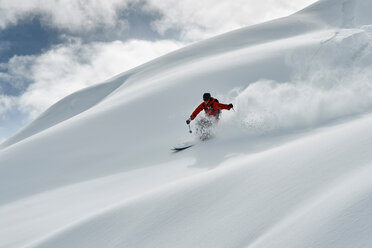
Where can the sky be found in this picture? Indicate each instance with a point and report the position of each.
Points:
(50, 48)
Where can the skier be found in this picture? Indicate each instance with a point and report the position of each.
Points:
(212, 109)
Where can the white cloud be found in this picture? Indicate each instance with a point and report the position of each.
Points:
(6, 103)
(68, 68)
(200, 19)
(196, 19)
(68, 14)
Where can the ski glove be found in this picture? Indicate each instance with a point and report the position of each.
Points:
(231, 106)
(188, 121)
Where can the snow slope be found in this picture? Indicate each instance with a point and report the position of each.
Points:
(290, 168)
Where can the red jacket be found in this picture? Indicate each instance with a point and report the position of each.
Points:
(212, 108)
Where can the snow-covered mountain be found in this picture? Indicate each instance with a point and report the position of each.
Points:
(291, 167)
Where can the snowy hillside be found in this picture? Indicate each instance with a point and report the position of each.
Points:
(291, 167)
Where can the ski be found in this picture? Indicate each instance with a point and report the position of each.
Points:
(186, 145)
(181, 147)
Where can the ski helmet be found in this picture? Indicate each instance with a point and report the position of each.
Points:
(206, 96)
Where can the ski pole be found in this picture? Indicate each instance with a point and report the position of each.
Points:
(189, 128)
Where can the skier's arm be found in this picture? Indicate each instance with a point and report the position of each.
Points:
(196, 111)
(218, 106)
